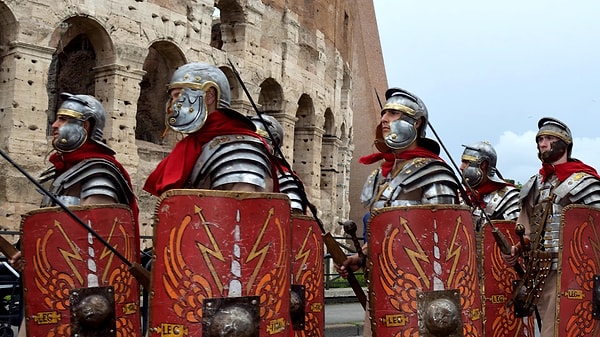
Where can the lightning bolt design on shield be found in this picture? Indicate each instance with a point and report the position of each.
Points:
(303, 254)
(260, 253)
(205, 251)
(68, 256)
(106, 252)
(414, 256)
(454, 253)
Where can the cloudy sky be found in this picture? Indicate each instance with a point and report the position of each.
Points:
(489, 70)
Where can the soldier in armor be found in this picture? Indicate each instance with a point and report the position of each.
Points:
(287, 181)
(487, 189)
(412, 173)
(84, 169)
(561, 181)
(222, 151)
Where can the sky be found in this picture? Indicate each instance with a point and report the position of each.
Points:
(489, 70)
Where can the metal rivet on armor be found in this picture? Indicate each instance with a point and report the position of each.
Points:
(179, 105)
(190, 110)
(172, 120)
(186, 76)
(197, 78)
(393, 136)
(63, 140)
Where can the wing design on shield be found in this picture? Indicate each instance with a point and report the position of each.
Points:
(579, 283)
(65, 266)
(498, 285)
(220, 252)
(422, 261)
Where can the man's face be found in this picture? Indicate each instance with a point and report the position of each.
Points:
(60, 121)
(544, 142)
(388, 116)
(463, 165)
(551, 149)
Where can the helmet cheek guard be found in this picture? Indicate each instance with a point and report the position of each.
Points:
(475, 155)
(472, 175)
(79, 109)
(549, 126)
(71, 136)
(402, 134)
(557, 149)
(187, 113)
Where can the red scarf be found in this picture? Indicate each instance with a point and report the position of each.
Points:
(564, 170)
(390, 157)
(173, 171)
(484, 189)
(64, 161)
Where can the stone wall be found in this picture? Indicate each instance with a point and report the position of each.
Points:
(311, 64)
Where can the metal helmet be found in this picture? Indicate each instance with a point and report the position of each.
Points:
(475, 155)
(187, 113)
(549, 126)
(403, 131)
(266, 122)
(80, 108)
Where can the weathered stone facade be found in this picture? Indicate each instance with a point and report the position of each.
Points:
(313, 65)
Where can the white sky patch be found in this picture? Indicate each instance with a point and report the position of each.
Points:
(491, 70)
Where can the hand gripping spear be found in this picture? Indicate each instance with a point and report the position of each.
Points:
(332, 246)
(137, 270)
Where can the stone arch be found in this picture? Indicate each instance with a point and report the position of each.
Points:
(82, 45)
(271, 96)
(329, 162)
(162, 60)
(307, 142)
(271, 101)
(9, 28)
(305, 112)
(231, 21)
(329, 125)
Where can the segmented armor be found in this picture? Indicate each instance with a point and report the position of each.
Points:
(502, 204)
(579, 188)
(290, 185)
(89, 177)
(231, 159)
(419, 181)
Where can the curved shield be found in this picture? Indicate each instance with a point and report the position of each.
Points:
(307, 275)
(579, 275)
(222, 258)
(70, 273)
(497, 285)
(423, 267)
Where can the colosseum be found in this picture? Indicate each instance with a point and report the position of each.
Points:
(315, 65)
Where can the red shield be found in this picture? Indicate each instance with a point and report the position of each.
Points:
(579, 264)
(422, 262)
(219, 247)
(307, 271)
(63, 261)
(498, 285)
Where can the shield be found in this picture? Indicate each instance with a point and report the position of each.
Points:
(222, 259)
(422, 267)
(497, 285)
(578, 284)
(307, 277)
(74, 285)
